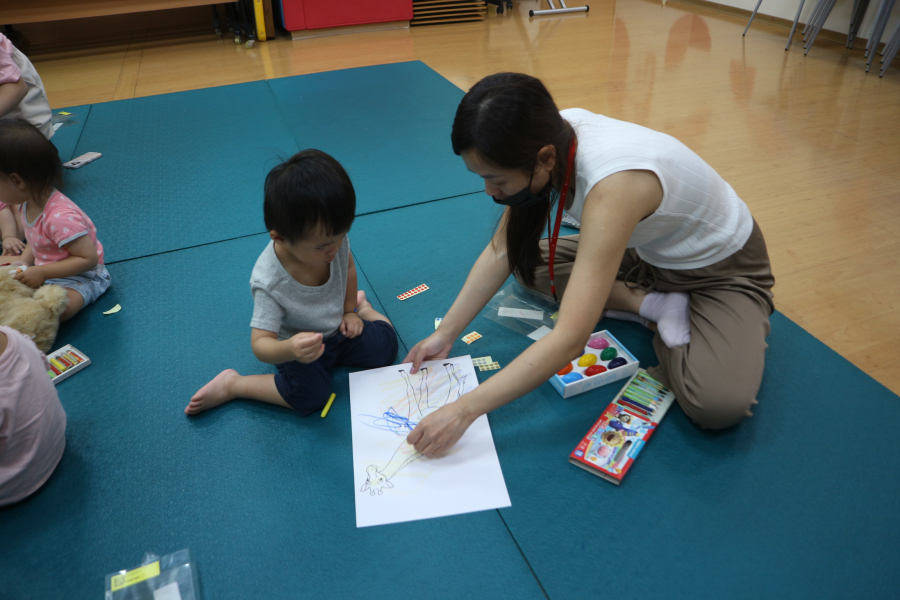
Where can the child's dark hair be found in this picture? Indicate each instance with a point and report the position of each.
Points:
(507, 118)
(26, 152)
(310, 189)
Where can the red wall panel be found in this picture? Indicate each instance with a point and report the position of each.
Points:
(315, 14)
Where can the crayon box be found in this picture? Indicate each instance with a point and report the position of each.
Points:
(582, 377)
(65, 362)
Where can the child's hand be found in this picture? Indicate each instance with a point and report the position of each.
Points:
(306, 347)
(34, 277)
(13, 245)
(351, 325)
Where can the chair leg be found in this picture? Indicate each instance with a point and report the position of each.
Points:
(890, 51)
(813, 22)
(751, 18)
(794, 26)
(889, 56)
(812, 18)
(863, 7)
(822, 18)
(878, 31)
(853, 13)
(878, 16)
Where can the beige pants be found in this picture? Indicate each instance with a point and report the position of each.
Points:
(717, 375)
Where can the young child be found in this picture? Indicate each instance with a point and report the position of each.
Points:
(308, 317)
(32, 420)
(62, 241)
(21, 89)
(21, 95)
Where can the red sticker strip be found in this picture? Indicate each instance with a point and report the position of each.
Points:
(412, 292)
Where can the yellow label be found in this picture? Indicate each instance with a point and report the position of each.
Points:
(134, 576)
(64, 113)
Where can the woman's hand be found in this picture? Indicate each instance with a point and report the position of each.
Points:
(433, 347)
(440, 430)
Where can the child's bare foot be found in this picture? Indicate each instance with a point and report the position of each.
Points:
(212, 394)
(361, 301)
(365, 311)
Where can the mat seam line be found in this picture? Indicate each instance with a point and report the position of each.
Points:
(522, 552)
(81, 133)
(384, 210)
(375, 212)
(284, 122)
(377, 297)
(240, 237)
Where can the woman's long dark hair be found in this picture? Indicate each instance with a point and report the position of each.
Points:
(507, 118)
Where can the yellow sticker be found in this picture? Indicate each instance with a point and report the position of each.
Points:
(64, 113)
(555, 315)
(133, 576)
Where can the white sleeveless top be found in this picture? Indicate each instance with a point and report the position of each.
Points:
(700, 221)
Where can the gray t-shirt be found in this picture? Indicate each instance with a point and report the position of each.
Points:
(283, 305)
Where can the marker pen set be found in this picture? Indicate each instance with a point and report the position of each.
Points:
(644, 395)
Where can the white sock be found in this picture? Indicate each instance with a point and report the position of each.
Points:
(671, 314)
(621, 315)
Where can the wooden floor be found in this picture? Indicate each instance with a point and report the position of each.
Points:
(812, 144)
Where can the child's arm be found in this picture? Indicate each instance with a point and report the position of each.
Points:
(351, 324)
(8, 230)
(11, 95)
(82, 257)
(304, 347)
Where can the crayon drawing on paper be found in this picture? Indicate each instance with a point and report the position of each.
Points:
(394, 482)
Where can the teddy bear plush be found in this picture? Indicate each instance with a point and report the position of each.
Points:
(33, 312)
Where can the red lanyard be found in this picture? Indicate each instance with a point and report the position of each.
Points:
(559, 211)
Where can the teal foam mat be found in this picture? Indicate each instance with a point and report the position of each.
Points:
(797, 502)
(389, 125)
(179, 170)
(186, 169)
(66, 137)
(263, 498)
(447, 237)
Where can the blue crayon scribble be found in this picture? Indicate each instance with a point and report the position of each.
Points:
(391, 421)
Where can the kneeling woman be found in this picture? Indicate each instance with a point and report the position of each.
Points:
(664, 240)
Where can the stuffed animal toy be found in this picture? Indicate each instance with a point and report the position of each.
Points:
(33, 312)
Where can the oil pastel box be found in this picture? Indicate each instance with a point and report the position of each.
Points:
(65, 362)
(582, 375)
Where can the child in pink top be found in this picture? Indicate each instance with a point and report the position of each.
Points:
(21, 95)
(62, 240)
(21, 89)
(32, 421)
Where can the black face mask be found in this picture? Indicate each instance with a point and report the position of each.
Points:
(526, 197)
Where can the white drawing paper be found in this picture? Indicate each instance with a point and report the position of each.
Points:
(522, 313)
(394, 483)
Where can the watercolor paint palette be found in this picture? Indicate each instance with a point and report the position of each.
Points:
(604, 361)
(65, 362)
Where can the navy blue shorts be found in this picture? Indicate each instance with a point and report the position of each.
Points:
(306, 387)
